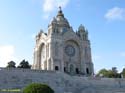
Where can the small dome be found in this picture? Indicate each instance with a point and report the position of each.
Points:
(53, 21)
(81, 28)
(61, 19)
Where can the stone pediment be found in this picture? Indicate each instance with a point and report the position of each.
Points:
(70, 35)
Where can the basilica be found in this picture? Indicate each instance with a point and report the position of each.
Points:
(63, 49)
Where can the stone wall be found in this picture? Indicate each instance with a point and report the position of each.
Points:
(60, 82)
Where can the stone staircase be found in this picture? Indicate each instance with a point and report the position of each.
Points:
(60, 82)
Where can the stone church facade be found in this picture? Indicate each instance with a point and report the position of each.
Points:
(62, 49)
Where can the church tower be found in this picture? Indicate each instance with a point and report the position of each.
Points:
(62, 49)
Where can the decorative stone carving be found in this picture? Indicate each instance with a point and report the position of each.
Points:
(70, 50)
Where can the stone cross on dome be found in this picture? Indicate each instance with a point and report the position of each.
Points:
(60, 8)
(60, 13)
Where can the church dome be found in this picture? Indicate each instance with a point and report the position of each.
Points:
(60, 19)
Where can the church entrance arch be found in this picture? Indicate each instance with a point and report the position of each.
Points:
(71, 69)
(42, 56)
(72, 56)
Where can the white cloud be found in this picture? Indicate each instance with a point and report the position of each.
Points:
(115, 13)
(62, 3)
(123, 54)
(50, 5)
(46, 16)
(6, 55)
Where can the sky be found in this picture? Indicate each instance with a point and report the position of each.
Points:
(21, 20)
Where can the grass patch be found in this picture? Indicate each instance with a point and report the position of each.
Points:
(10, 90)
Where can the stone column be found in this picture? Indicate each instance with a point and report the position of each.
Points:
(90, 59)
(82, 59)
(38, 59)
(91, 69)
(61, 57)
(50, 65)
(36, 64)
(52, 55)
(34, 60)
(45, 62)
(48, 57)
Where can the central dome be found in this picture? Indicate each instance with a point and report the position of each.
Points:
(60, 19)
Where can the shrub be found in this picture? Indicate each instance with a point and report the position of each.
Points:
(37, 88)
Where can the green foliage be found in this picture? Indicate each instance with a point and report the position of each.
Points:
(11, 64)
(37, 88)
(24, 64)
(123, 72)
(103, 72)
(109, 73)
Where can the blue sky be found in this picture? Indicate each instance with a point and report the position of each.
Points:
(21, 20)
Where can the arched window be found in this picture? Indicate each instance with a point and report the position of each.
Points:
(42, 52)
(77, 71)
(87, 70)
(56, 68)
(64, 69)
(42, 55)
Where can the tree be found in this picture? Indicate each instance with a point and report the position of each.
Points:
(115, 73)
(11, 64)
(114, 69)
(24, 64)
(109, 73)
(123, 72)
(37, 88)
(103, 73)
